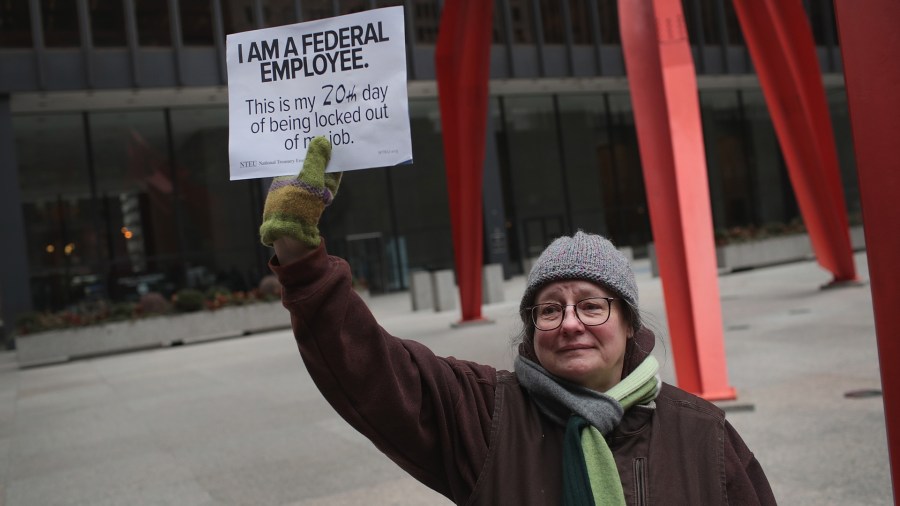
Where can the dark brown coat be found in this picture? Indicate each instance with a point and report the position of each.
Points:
(471, 433)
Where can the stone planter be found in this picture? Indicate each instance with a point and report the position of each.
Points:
(763, 252)
(857, 238)
(774, 250)
(80, 342)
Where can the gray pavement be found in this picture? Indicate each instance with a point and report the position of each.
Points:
(239, 422)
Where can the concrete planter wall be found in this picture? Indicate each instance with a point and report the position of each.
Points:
(775, 250)
(67, 344)
(857, 238)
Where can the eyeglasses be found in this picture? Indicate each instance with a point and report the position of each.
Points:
(591, 312)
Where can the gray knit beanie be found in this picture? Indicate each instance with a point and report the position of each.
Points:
(583, 256)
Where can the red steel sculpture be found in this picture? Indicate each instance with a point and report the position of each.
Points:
(663, 87)
(463, 68)
(664, 93)
(781, 45)
(870, 46)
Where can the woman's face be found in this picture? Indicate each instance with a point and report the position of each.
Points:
(590, 356)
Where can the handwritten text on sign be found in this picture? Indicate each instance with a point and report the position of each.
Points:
(343, 77)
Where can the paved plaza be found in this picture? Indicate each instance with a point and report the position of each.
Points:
(239, 422)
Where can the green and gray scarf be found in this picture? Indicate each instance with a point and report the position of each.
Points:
(590, 476)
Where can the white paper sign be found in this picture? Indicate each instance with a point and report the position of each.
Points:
(342, 77)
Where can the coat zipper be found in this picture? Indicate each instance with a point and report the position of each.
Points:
(640, 482)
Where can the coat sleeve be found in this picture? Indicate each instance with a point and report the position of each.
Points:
(430, 415)
(746, 483)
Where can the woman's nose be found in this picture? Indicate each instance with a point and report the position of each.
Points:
(573, 321)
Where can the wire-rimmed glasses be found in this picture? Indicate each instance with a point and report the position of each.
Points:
(591, 312)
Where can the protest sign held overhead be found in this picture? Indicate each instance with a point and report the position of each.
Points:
(342, 77)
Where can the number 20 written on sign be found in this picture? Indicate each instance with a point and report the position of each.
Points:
(339, 93)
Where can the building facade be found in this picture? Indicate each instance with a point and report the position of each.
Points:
(114, 134)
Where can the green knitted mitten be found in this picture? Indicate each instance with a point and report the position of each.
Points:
(295, 204)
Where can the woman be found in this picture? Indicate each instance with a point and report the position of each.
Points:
(584, 418)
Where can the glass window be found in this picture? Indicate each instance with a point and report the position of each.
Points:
(731, 182)
(775, 201)
(591, 178)
(629, 220)
(821, 14)
(351, 6)
(60, 22)
(426, 18)
(318, 9)
(733, 25)
(218, 218)
(196, 23)
(609, 21)
(709, 16)
(152, 23)
(521, 21)
(60, 219)
(621, 175)
(501, 239)
(498, 35)
(15, 24)
(387, 221)
(581, 22)
(535, 166)
(840, 117)
(749, 184)
(420, 192)
(135, 189)
(359, 223)
(552, 22)
(237, 16)
(107, 23)
(692, 20)
(279, 12)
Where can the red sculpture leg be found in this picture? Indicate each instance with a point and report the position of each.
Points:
(667, 114)
(462, 58)
(781, 44)
(871, 50)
